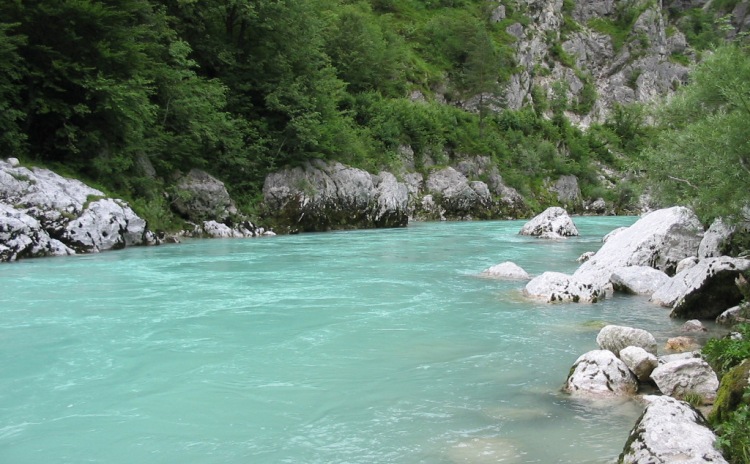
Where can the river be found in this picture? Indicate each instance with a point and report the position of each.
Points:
(377, 346)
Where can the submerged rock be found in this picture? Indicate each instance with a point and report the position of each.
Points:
(506, 270)
(554, 222)
(670, 431)
(600, 373)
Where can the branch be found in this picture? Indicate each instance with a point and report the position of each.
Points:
(684, 181)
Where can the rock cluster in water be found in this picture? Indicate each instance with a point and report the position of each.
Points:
(658, 256)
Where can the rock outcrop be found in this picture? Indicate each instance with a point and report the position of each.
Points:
(670, 431)
(600, 373)
(201, 197)
(553, 222)
(320, 196)
(44, 214)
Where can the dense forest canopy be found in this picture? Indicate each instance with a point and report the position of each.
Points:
(125, 93)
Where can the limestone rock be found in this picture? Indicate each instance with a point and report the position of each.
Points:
(709, 288)
(639, 361)
(668, 358)
(681, 344)
(506, 270)
(22, 236)
(670, 431)
(600, 373)
(555, 287)
(729, 317)
(567, 190)
(202, 197)
(456, 194)
(716, 239)
(615, 338)
(320, 196)
(693, 325)
(45, 214)
(613, 233)
(659, 239)
(585, 256)
(105, 224)
(686, 263)
(639, 280)
(678, 378)
(554, 222)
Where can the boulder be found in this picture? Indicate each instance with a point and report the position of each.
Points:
(709, 288)
(554, 222)
(686, 264)
(687, 376)
(554, 287)
(681, 344)
(730, 316)
(639, 280)
(506, 270)
(45, 214)
(320, 196)
(659, 239)
(600, 373)
(639, 361)
(716, 240)
(585, 257)
(670, 431)
(22, 236)
(668, 358)
(693, 325)
(613, 233)
(615, 338)
(202, 197)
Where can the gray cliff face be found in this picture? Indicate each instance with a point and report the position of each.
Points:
(326, 196)
(638, 70)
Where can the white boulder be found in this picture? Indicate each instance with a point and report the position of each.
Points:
(555, 287)
(670, 431)
(640, 280)
(553, 223)
(615, 338)
(693, 375)
(639, 361)
(600, 373)
(659, 239)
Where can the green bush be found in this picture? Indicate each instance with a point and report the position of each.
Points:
(734, 434)
(725, 353)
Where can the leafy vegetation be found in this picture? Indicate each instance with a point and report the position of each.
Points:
(701, 158)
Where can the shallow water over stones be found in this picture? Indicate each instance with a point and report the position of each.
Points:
(363, 346)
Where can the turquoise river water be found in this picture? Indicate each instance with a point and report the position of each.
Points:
(345, 347)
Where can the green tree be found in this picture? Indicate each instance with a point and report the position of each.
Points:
(702, 157)
(11, 136)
